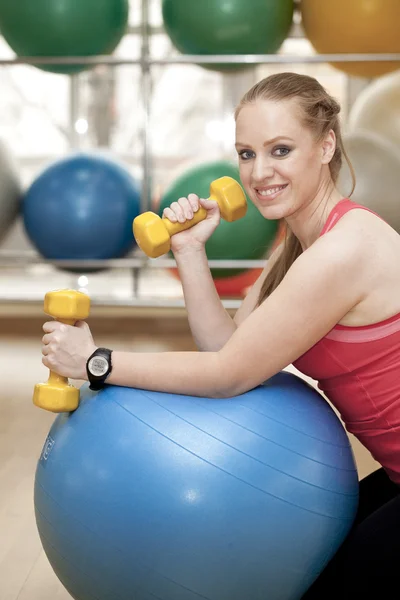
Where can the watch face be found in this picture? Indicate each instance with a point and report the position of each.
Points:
(98, 366)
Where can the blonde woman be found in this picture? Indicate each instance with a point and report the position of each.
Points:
(327, 302)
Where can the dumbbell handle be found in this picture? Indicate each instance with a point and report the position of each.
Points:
(55, 378)
(173, 228)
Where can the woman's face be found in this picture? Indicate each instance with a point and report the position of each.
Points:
(281, 164)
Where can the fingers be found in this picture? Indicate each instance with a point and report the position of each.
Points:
(46, 339)
(50, 342)
(194, 202)
(182, 210)
(168, 213)
(48, 362)
(51, 326)
(209, 205)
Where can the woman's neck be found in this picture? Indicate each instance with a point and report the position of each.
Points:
(308, 222)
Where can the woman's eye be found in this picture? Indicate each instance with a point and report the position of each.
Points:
(281, 151)
(246, 154)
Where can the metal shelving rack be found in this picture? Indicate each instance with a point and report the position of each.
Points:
(138, 262)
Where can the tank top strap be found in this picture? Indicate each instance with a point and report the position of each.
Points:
(341, 208)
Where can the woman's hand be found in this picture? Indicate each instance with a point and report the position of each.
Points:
(66, 348)
(182, 211)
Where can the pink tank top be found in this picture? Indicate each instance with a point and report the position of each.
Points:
(358, 369)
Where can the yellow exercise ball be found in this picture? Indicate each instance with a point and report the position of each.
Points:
(377, 108)
(354, 26)
(376, 163)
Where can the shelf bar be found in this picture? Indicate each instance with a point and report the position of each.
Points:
(104, 302)
(22, 259)
(202, 59)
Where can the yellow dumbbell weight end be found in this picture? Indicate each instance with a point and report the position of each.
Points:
(153, 234)
(57, 395)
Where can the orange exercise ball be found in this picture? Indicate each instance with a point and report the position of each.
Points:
(354, 27)
(236, 286)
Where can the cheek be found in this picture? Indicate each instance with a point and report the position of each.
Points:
(301, 172)
(245, 172)
(288, 171)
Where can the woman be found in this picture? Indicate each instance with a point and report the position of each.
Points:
(328, 301)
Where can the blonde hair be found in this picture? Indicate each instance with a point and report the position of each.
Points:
(320, 113)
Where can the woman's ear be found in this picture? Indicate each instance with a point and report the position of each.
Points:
(328, 147)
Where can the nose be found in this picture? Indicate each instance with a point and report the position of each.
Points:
(262, 170)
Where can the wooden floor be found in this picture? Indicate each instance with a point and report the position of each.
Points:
(25, 573)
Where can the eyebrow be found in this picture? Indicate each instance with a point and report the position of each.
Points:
(268, 142)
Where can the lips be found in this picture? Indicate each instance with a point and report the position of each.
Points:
(270, 192)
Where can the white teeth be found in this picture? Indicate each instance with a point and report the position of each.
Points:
(271, 191)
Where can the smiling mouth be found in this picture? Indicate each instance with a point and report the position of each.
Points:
(270, 191)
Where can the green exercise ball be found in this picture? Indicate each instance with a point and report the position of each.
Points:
(228, 26)
(248, 238)
(63, 28)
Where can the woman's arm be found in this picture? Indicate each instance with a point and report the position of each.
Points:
(251, 300)
(210, 323)
(323, 284)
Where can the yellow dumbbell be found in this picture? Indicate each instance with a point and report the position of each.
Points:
(57, 395)
(153, 233)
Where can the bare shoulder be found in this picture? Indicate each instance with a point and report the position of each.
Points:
(362, 255)
(370, 253)
(356, 254)
(365, 225)
(366, 236)
(343, 254)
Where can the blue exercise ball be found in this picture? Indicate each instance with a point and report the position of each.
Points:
(142, 495)
(81, 207)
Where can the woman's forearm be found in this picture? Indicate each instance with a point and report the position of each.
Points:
(187, 373)
(209, 322)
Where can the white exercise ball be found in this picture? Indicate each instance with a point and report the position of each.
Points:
(376, 162)
(377, 108)
(10, 191)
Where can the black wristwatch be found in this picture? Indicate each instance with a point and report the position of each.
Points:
(98, 368)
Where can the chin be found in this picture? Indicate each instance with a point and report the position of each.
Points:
(273, 213)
